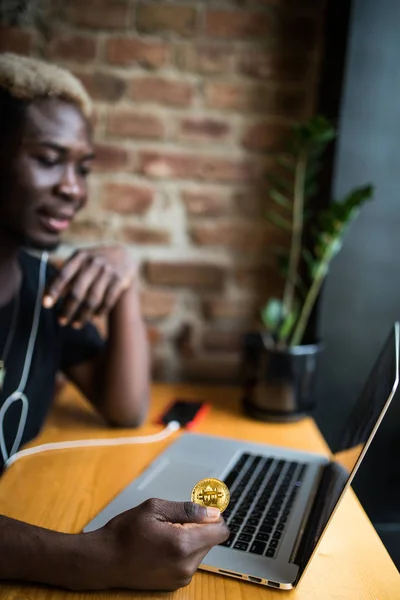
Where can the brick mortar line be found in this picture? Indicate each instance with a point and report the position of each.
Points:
(174, 147)
(239, 118)
(187, 145)
(130, 72)
(238, 219)
(254, 113)
(172, 186)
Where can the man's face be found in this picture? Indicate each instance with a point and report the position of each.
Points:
(43, 173)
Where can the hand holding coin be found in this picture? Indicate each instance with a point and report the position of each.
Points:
(211, 492)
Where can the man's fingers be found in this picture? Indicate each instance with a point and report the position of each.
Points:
(191, 529)
(200, 514)
(94, 299)
(110, 296)
(182, 512)
(204, 525)
(62, 279)
(77, 294)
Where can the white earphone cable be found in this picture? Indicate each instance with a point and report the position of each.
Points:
(35, 324)
(19, 392)
(122, 441)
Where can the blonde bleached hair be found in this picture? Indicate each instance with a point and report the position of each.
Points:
(29, 78)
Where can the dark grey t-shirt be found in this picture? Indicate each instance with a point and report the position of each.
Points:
(56, 349)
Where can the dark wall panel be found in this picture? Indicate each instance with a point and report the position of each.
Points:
(362, 296)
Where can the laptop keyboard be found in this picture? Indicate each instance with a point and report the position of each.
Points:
(263, 491)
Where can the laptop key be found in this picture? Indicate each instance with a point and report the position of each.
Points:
(248, 529)
(277, 535)
(245, 537)
(272, 514)
(241, 546)
(258, 547)
(262, 537)
(265, 529)
(270, 552)
(253, 522)
(234, 528)
(273, 543)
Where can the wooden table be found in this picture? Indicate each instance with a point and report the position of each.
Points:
(63, 490)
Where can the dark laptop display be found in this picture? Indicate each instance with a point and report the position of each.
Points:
(353, 443)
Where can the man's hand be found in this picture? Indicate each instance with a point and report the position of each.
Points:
(157, 545)
(101, 281)
(90, 283)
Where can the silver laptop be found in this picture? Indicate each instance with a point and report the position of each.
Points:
(281, 500)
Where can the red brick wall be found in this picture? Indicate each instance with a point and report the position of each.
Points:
(192, 100)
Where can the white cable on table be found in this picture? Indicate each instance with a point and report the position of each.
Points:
(19, 394)
(123, 441)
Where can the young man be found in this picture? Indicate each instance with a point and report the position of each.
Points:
(45, 157)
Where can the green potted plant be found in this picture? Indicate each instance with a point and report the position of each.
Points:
(280, 359)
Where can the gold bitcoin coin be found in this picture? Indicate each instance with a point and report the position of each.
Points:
(211, 492)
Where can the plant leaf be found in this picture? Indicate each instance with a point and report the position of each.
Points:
(316, 131)
(279, 221)
(272, 314)
(335, 245)
(280, 198)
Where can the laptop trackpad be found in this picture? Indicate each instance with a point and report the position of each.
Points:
(172, 480)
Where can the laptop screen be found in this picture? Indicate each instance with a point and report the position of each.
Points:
(368, 408)
(354, 439)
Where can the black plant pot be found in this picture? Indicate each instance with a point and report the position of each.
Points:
(278, 384)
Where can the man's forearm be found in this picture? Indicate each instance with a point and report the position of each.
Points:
(34, 554)
(126, 373)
